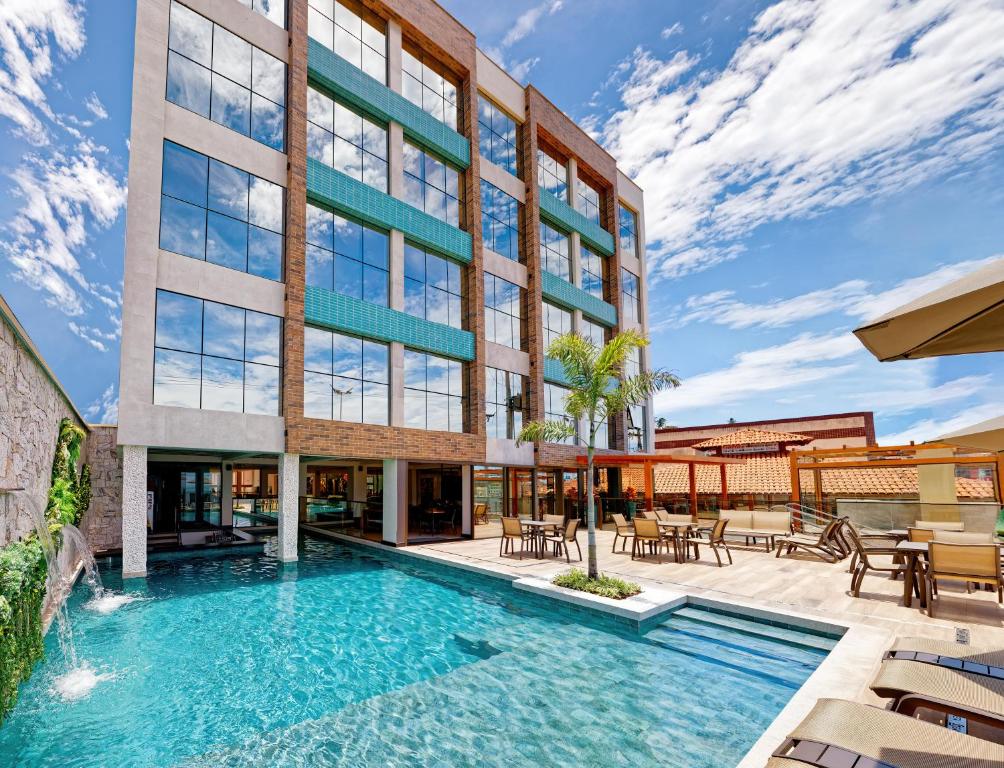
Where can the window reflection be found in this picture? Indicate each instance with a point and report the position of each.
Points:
(499, 221)
(552, 175)
(345, 378)
(503, 312)
(352, 33)
(273, 10)
(216, 356)
(346, 141)
(216, 74)
(432, 186)
(505, 403)
(555, 251)
(433, 287)
(630, 296)
(555, 399)
(594, 333)
(346, 256)
(556, 321)
(627, 223)
(496, 135)
(221, 214)
(433, 392)
(591, 274)
(424, 82)
(587, 200)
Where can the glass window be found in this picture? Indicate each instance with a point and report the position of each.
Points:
(351, 32)
(595, 333)
(636, 419)
(346, 141)
(215, 356)
(557, 322)
(627, 225)
(602, 436)
(587, 201)
(552, 175)
(432, 186)
(273, 10)
(345, 378)
(433, 287)
(630, 296)
(433, 392)
(499, 221)
(591, 273)
(555, 398)
(503, 312)
(218, 213)
(496, 135)
(346, 256)
(425, 83)
(504, 403)
(555, 251)
(215, 73)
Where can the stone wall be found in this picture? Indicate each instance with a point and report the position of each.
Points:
(31, 407)
(102, 523)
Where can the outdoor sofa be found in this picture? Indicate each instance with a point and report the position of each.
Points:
(757, 524)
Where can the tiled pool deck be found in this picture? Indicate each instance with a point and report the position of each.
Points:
(799, 589)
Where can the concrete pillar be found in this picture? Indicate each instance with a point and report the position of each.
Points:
(395, 160)
(289, 506)
(575, 251)
(134, 517)
(395, 502)
(573, 179)
(227, 494)
(394, 56)
(396, 264)
(466, 501)
(396, 384)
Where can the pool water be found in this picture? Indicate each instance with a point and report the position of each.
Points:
(354, 657)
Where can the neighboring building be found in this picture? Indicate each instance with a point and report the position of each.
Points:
(835, 430)
(350, 237)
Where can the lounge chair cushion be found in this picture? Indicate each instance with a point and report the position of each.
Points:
(738, 518)
(757, 523)
(890, 738)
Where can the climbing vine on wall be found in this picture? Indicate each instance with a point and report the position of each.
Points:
(69, 495)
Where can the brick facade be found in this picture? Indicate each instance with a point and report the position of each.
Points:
(857, 429)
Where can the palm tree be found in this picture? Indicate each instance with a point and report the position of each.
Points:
(661, 422)
(594, 398)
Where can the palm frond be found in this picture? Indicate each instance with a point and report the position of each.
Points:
(611, 359)
(546, 432)
(638, 388)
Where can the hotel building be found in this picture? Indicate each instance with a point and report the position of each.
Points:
(350, 238)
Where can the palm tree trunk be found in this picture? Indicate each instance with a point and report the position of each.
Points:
(591, 516)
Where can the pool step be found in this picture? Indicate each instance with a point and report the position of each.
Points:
(752, 628)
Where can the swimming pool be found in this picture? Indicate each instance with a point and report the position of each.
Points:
(354, 657)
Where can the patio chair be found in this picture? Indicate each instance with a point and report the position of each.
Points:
(564, 538)
(623, 530)
(931, 679)
(716, 539)
(969, 563)
(661, 515)
(646, 532)
(556, 520)
(920, 535)
(513, 531)
(940, 525)
(822, 546)
(963, 537)
(845, 733)
(863, 562)
(480, 514)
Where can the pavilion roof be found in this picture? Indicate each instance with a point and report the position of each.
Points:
(748, 436)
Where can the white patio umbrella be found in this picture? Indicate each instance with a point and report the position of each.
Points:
(963, 317)
(986, 436)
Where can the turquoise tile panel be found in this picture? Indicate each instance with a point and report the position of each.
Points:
(561, 214)
(554, 372)
(332, 310)
(567, 295)
(334, 74)
(334, 189)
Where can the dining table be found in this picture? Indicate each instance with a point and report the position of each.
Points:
(539, 529)
(679, 543)
(913, 552)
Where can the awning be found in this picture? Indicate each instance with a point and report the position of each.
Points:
(986, 436)
(960, 318)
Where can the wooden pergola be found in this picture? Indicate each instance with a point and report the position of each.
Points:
(875, 457)
(648, 462)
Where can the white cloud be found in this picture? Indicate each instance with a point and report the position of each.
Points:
(527, 21)
(673, 29)
(929, 429)
(96, 337)
(825, 103)
(95, 107)
(26, 28)
(519, 70)
(105, 409)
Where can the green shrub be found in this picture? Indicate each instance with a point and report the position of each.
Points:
(22, 591)
(604, 586)
(69, 496)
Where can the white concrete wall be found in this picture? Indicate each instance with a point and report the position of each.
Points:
(289, 506)
(134, 518)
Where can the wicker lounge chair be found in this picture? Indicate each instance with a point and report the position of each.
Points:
(863, 562)
(624, 530)
(646, 532)
(844, 733)
(564, 538)
(513, 531)
(824, 545)
(969, 563)
(716, 539)
(931, 679)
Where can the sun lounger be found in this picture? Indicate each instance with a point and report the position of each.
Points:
(844, 733)
(824, 545)
(932, 679)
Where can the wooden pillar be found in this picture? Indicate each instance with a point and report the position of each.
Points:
(796, 486)
(692, 472)
(725, 489)
(817, 481)
(999, 478)
(649, 485)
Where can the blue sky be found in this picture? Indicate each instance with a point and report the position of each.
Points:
(808, 164)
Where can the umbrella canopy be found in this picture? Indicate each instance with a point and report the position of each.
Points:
(962, 317)
(986, 436)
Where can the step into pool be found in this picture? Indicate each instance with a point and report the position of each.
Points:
(356, 657)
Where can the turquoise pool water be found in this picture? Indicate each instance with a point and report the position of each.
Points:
(358, 658)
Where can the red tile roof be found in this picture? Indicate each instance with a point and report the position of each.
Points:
(749, 436)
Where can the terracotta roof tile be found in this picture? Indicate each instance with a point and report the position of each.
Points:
(747, 436)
